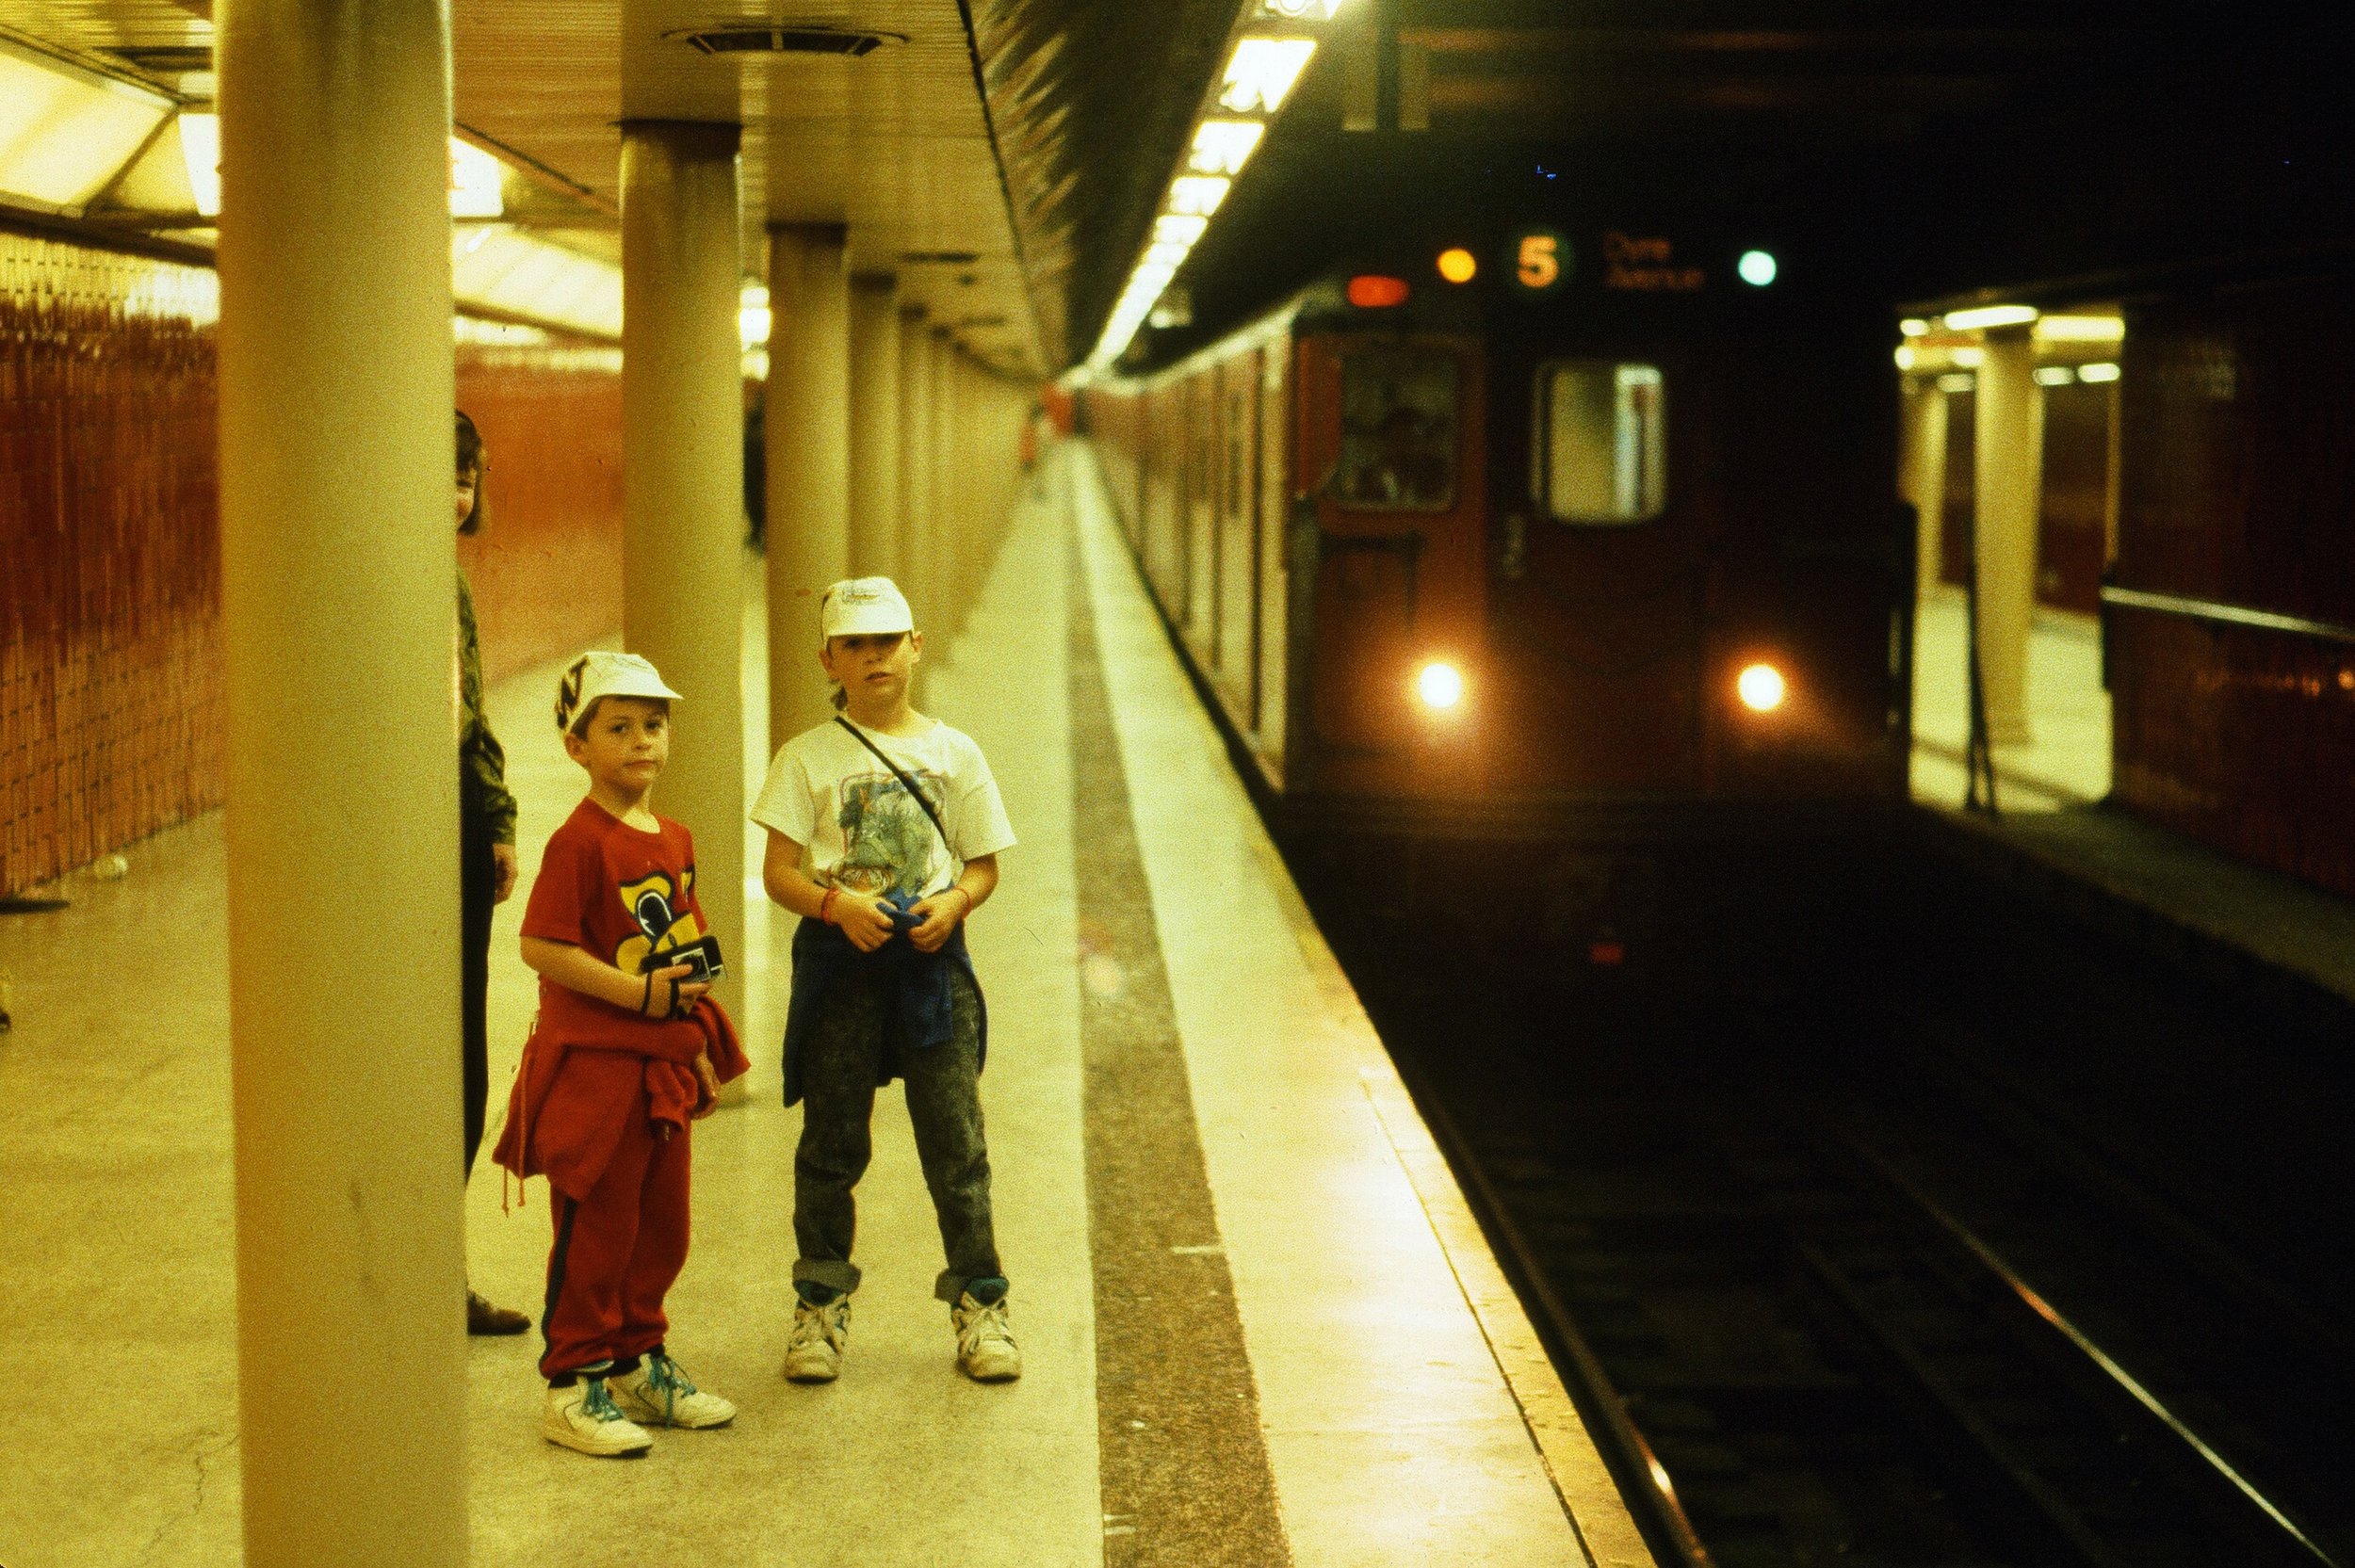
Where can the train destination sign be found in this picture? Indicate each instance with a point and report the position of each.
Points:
(1647, 263)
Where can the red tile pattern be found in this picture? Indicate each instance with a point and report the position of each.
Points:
(2235, 483)
(110, 694)
(547, 567)
(110, 555)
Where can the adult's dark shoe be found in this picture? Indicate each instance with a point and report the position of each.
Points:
(484, 1319)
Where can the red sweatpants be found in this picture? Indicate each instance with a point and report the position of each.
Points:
(616, 1253)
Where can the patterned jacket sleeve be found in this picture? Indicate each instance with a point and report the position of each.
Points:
(482, 761)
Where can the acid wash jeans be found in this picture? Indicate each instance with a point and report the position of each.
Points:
(842, 1060)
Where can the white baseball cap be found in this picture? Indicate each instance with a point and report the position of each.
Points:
(857, 606)
(603, 674)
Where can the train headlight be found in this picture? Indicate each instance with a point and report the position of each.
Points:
(1440, 686)
(1762, 688)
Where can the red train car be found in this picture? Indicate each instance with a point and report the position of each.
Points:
(1504, 550)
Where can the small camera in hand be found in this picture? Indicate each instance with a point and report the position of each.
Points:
(702, 957)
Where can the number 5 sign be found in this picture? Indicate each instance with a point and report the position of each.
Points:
(1541, 261)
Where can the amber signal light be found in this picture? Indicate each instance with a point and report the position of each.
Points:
(1370, 291)
(1457, 265)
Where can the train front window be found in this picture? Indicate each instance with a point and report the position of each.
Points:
(1398, 431)
(1600, 450)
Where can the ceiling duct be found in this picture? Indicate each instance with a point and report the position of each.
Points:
(788, 41)
(168, 59)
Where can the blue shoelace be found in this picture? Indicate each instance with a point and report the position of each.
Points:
(599, 1404)
(662, 1374)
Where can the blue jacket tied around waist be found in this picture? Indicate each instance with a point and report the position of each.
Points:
(916, 990)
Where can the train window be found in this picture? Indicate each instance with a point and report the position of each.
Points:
(1398, 431)
(1599, 456)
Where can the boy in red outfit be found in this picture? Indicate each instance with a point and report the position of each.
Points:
(626, 1052)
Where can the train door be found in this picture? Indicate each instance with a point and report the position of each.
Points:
(1237, 630)
(1200, 602)
(1388, 446)
(1602, 602)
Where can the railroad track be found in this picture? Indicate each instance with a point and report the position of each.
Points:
(1825, 1365)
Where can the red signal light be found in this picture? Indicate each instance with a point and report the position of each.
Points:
(1371, 291)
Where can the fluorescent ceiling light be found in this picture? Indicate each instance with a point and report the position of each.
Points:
(1299, 11)
(1989, 316)
(199, 145)
(1972, 358)
(1957, 382)
(476, 179)
(2052, 375)
(1913, 326)
(1224, 145)
(1178, 229)
(2102, 370)
(753, 317)
(1197, 195)
(516, 273)
(2080, 328)
(1905, 358)
(1261, 72)
(64, 130)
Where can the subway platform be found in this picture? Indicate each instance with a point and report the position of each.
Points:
(1260, 1324)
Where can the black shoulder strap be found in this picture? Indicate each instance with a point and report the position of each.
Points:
(905, 782)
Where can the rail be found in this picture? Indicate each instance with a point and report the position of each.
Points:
(2204, 1453)
(2218, 613)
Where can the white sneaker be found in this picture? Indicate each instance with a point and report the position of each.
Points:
(659, 1394)
(814, 1353)
(584, 1417)
(985, 1348)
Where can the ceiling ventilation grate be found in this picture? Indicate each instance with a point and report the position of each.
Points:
(788, 41)
(954, 258)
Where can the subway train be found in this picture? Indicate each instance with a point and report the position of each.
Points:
(1557, 523)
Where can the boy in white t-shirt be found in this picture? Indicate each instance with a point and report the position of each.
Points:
(884, 827)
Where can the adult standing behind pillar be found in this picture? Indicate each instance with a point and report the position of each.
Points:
(486, 842)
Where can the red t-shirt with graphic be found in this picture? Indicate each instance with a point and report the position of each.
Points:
(619, 894)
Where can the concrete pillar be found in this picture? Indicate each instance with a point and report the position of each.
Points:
(875, 419)
(808, 432)
(683, 486)
(2009, 472)
(1921, 475)
(943, 552)
(337, 603)
(915, 463)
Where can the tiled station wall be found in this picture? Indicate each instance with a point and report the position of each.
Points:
(2237, 485)
(110, 701)
(546, 567)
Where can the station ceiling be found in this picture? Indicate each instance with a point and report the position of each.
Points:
(1006, 158)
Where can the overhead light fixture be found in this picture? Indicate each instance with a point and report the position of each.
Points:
(476, 179)
(65, 131)
(1261, 73)
(2052, 375)
(1222, 146)
(1981, 316)
(2101, 370)
(1957, 381)
(753, 317)
(1264, 65)
(2080, 329)
(1197, 195)
(1906, 356)
(1913, 326)
(501, 268)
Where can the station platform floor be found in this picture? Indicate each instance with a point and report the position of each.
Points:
(1260, 1325)
(2065, 758)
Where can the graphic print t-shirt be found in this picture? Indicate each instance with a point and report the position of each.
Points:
(829, 794)
(619, 894)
